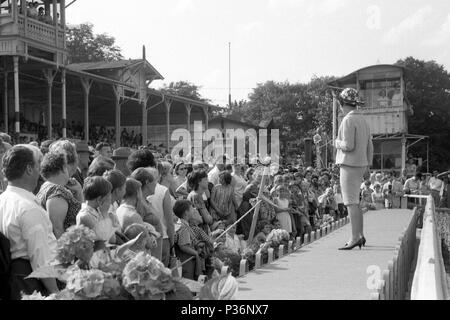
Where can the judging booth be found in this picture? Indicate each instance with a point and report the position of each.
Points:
(386, 108)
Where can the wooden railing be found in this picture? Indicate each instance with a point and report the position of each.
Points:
(41, 32)
(393, 284)
(430, 278)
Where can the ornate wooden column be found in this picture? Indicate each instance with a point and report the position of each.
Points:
(86, 84)
(118, 114)
(49, 76)
(64, 103)
(168, 104)
(188, 112)
(16, 97)
(144, 130)
(205, 111)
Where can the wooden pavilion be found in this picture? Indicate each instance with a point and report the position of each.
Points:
(40, 86)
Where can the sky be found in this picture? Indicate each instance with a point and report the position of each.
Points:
(279, 40)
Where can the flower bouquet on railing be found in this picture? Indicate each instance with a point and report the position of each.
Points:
(274, 239)
(124, 273)
(228, 258)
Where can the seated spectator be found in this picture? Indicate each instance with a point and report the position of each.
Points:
(185, 241)
(266, 228)
(32, 10)
(378, 197)
(59, 202)
(366, 196)
(328, 202)
(25, 223)
(94, 213)
(217, 229)
(232, 240)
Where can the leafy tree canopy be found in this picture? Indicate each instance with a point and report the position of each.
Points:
(184, 89)
(428, 90)
(84, 46)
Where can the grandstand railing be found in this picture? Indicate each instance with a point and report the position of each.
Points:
(430, 279)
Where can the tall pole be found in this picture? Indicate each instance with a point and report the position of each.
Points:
(5, 101)
(334, 123)
(64, 103)
(229, 75)
(16, 97)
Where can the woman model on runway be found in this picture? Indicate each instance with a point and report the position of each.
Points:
(354, 155)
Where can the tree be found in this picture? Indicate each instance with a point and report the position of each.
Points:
(184, 89)
(428, 86)
(84, 46)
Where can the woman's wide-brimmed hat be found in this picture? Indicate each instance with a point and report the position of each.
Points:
(350, 96)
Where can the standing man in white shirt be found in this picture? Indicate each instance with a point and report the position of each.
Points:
(435, 185)
(25, 223)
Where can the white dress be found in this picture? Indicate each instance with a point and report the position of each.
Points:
(284, 217)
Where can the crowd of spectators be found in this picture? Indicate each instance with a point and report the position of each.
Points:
(187, 210)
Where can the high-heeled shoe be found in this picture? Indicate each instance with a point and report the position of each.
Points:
(358, 243)
(363, 242)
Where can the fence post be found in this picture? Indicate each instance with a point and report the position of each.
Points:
(380, 289)
(313, 236)
(270, 254)
(298, 243)
(387, 284)
(391, 279)
(291, 243)
(258, 261)
(306, 239)
(395, 277)
(243, 267)
(280, 251)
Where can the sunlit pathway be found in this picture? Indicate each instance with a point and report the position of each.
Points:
(320, 271)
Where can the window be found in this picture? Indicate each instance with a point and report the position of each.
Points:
(381, 93)
(387, 155)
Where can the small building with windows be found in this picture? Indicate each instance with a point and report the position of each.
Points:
(386, 109)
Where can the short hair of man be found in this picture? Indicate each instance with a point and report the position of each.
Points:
(100, 165)
(132, 186)
(95, 187)
(141, 159)
(143, 176)
(180, 207)
(16, 160)
(116, 178)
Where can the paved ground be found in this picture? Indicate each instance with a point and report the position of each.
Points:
(320, 272)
